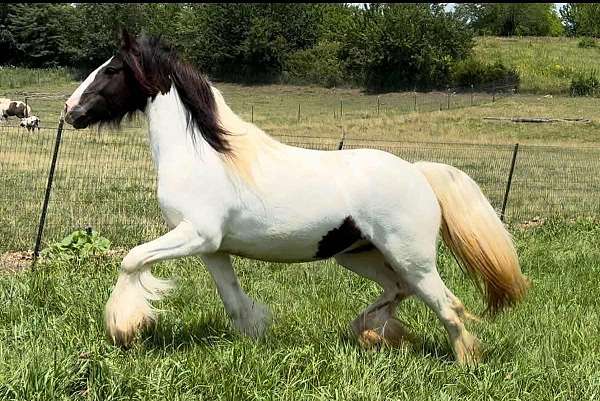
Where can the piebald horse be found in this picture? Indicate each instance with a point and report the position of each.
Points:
(227, 188)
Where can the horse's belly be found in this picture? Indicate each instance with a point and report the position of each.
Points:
(273, 249)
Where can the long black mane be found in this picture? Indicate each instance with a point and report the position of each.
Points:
(156, 66)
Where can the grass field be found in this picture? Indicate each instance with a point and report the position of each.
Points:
(52, 344)
(545, 64)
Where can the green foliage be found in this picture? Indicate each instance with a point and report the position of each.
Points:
(587, 43)
(509, 19)
(474, 72)
(77, 245)
(581, 19)
(585, 84)
(319, 64)
(396, 46)
(312, 43)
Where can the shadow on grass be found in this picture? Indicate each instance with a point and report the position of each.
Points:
(422, 348)
(170, 336)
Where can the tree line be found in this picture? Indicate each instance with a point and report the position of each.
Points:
(377, 46)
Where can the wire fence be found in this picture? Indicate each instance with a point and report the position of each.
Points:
(107, 180)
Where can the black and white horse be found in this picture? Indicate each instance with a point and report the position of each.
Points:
(227, 188)
(16, 108)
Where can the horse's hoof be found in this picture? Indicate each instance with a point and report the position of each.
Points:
(255, 321)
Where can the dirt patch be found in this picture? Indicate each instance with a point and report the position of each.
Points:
(535, 222)
(12, 262)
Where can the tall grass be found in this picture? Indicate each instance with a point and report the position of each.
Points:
(545, 64)
(22, 78)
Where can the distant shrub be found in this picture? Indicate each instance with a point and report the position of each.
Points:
(318, 65)
(585, 84)
(474, 72)
(587, 43)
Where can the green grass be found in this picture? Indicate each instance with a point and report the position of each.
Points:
(32, 79)
(52, 344)
(545, 64)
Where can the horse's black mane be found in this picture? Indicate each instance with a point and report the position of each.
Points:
(156, 66)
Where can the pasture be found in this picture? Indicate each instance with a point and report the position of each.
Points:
(52, 344)
(545, 64)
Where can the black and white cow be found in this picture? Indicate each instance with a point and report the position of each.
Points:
(31, 123)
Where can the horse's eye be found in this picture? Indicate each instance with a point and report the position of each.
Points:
(110, 70)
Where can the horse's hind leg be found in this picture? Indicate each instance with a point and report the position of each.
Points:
(417, 269)
(128, 308)
(377, 324)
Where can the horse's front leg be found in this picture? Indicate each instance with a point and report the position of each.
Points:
(248, 316)
(128, 308)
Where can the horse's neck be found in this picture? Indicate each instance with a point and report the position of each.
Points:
(170, 137)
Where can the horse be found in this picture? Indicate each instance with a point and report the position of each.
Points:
(226, 188)
(15, 108)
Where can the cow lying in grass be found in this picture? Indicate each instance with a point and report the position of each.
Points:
(15, 108)
(31, 123)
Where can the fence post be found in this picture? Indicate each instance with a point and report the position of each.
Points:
(252, 113)
(38, 240)
(471, 94)
(378, 103)
(341, 145)
(509, 182)
(415, 99)
(26, 112)
(298, 112)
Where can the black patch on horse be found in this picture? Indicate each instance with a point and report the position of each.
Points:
(338, 239)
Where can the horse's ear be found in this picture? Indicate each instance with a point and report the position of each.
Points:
(128, 41)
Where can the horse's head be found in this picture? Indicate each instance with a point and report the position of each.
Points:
(111, 91)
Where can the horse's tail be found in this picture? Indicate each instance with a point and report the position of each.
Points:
(476, 236)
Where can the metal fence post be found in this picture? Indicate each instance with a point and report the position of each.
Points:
(415, 98)
(298, 112)
(471, 94)
(509, 182)
(252, 113)
(378, 103)
(341, 145)
(26, 107)
(42, 223)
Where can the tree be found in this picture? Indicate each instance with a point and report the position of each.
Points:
(581, 19)
(38, 32)
(395, 46)
(508, 19)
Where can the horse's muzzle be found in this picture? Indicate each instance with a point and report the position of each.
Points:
(77, 118)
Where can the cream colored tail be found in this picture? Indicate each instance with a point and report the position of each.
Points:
(476, 236)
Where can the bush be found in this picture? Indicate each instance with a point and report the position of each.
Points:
(474, 72)
(585, 85)
(318, 65)
(587, 43)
